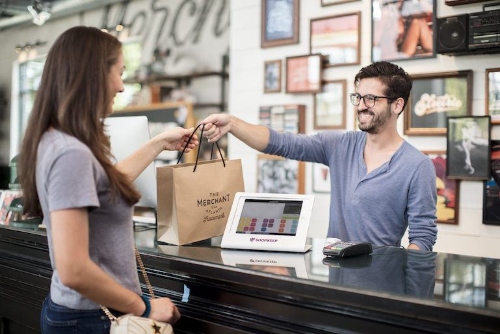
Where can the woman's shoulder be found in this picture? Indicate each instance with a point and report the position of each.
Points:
(56, 142)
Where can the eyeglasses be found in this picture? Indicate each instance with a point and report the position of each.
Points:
(368, 99)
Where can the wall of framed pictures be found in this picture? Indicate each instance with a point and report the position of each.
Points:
(348, 34)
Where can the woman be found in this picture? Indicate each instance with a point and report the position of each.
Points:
(86, 201)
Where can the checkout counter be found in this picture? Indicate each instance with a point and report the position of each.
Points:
(393, 290)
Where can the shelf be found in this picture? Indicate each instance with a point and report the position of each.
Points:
(177, 78)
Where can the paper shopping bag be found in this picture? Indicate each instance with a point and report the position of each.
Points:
(194, 203)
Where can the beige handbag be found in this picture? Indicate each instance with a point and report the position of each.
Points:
(133, 324)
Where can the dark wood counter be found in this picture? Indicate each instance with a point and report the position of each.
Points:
(229, 291)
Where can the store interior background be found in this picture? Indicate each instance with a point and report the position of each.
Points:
(233, 27)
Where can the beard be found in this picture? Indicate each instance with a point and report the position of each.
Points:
(376, 123)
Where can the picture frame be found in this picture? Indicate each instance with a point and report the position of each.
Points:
(272, 76)
(461, 2)
(321, 178)
(279, 175)
(435, 97)
(468, 148)
(491, 188)
(279, 23)
(448, 190)
(303, 74)
(288, 117)
(493, 94)
(403, 29)
(330, 105)
(337, 38)
(325, 3)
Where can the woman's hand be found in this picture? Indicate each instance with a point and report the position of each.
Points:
(163, 309)
(177, 138)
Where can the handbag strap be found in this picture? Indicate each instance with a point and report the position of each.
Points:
(108, 313)
(199, 146)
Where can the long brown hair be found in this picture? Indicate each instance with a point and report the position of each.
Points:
(74, 98)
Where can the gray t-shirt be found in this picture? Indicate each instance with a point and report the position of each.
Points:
(69, 176)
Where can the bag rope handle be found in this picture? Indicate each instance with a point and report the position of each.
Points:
(108, 313)
(199, 146)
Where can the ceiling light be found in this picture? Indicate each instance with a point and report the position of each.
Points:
(40, 11)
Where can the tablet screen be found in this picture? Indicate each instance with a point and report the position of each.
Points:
(270, 217)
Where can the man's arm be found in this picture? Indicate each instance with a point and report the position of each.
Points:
(422, 208)
(217, 125)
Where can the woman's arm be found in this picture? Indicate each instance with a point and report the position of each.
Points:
(173, 140)
(70, 239)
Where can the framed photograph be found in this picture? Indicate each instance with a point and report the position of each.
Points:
(403, 29)
(330, 105)
(491, 196)
(493, 94)
(321, 178)
(434, 98)
(447, 190)
(279, 175)
(337, 38)
(334, 2)
(303, 74)
(272, 76)
(468, 148)
(280, 23)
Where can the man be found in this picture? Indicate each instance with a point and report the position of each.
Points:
(380, 184)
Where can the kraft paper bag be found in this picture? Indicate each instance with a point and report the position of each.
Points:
(194, 203)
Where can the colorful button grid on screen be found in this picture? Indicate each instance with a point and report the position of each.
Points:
(245, 224)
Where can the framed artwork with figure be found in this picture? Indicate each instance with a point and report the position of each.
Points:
(468, 148)
(435, 97)
(279, 23)
(403, 29)
(448, 190)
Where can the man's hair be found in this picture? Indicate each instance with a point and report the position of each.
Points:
(397, 82)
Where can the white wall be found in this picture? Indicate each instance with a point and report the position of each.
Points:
(153, 23)
(470, 236)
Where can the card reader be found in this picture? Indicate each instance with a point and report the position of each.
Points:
(337, 248)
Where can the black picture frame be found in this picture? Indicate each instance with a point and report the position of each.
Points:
(279, 23)
(468, 143)
(491, 193)
(416, 20)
